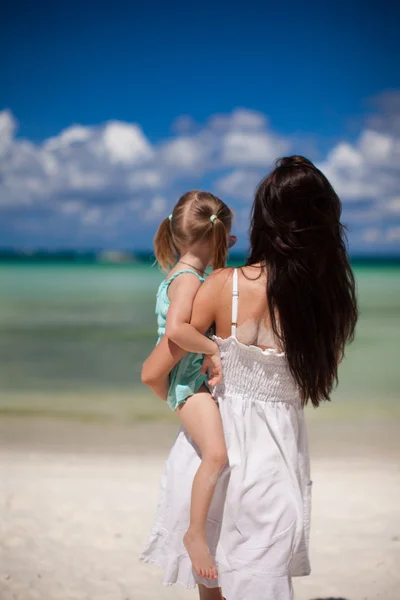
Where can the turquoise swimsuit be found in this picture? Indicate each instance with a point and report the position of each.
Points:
(185, 378)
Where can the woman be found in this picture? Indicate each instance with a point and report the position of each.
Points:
(282, 323)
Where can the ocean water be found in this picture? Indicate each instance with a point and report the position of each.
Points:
(73, 338)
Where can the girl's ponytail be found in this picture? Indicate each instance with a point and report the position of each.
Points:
(164, 248)
(219, 239)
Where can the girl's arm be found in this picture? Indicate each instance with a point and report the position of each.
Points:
(166, 354)
(158, 365)
(203, 316)
(184, 296)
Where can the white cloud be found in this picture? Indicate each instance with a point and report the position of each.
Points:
(239, 138)
(392, 206)
(99, 164)
(252, 148)
(125, 143)
(239, 184)
(386, 117)
(134, 204)
(354, 215)
(387, 235)
(369, 169)
(140, 180)
(183, 124)
(393, 234)
(345, 156)
(77, 178)
(107, 179)
(72, 135)
(92, 216)
(7, 127)
(183, 153)
(372, 235)
(240, 119)
(376, 147)
(71, 207)
(157, 209)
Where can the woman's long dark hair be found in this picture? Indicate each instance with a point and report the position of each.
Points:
(296, 232)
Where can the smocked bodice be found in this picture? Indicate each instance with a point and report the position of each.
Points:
(256, 374)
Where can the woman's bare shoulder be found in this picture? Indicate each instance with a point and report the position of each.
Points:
(219, 277)
(218, 273)
(247, 273)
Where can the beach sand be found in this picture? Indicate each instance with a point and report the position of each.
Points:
(77, 501)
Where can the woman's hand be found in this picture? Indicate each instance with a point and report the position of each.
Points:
(212, 362)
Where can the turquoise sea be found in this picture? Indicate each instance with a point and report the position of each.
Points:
(73, 337)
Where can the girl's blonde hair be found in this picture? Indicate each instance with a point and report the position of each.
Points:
(189, 223)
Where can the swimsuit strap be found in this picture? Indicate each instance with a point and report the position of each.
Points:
(168, 282)
(235, 302)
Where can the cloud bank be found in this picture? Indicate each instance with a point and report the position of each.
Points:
(108, 185)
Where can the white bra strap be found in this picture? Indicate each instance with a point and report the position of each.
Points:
(235, 302)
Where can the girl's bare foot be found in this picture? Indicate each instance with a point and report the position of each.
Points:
(202, 562)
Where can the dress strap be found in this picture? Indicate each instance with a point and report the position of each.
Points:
(235, 302)
(168, 281)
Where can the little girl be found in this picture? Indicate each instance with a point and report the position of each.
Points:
(197, 233)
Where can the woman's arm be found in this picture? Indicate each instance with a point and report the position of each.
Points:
(158, 365)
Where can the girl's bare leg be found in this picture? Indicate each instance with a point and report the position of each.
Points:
(201, 419)
(206, 593)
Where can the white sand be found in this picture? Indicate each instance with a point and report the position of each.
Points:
(75, 510)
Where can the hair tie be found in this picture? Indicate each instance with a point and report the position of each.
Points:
(170, 217)
(213, 217)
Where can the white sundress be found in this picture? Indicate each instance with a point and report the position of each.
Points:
(259, 519)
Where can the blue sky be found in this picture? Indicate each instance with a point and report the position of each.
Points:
(111, 110)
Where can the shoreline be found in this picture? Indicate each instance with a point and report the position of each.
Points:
(330, 435)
